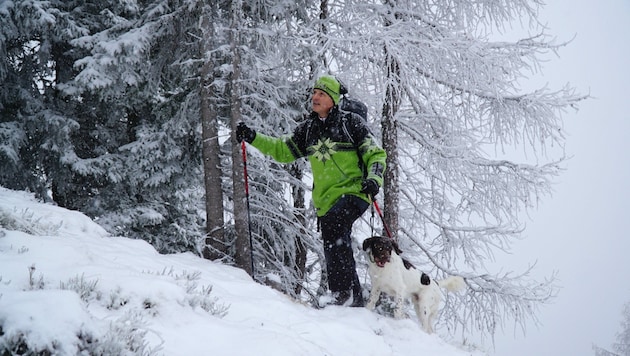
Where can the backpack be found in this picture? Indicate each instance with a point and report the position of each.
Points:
(353, 105)
(347, 104)
(350, 104)
(356, 106)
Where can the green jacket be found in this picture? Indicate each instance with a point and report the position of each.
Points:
(338, 149)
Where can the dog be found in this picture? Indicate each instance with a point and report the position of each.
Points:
(397, 277)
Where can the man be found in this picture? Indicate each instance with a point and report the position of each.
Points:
(348, 168)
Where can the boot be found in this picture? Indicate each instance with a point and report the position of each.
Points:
(357, 298)
(357, 302)
(341, 297)
(349, 298)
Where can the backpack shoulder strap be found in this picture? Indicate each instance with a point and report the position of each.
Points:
(344, 126)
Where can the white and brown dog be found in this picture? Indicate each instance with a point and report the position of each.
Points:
(395, 276)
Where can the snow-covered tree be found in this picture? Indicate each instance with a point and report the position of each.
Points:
(622, 346)
(274, 71)
(115, 106)
(139, 67)
(215, 245)
(100, 110)
(36, 129)
(447, 98)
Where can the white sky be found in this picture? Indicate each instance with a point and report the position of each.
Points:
(582, 230)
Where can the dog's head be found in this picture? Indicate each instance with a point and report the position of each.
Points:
(380, 249)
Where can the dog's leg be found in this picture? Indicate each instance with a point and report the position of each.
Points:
(422, 313)
(426, 319)
(398, 309)
(431, 314)
(375, 293)
(429, 328)
(415, 300)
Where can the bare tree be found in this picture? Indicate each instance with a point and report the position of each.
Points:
(391, 105)
(622, 346)
(452, 113)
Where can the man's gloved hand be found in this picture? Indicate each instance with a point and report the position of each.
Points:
(370, 187)
(243, 132)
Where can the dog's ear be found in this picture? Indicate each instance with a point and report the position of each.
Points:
(367, 243)
(408, 264)
(424, 279)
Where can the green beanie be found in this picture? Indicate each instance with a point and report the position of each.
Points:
(330, 86)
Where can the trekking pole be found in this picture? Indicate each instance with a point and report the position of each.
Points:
(249, 219)
(380, 214)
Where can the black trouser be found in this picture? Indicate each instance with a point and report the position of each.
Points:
(336, 228)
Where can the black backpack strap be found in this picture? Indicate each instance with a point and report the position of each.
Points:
(344, 121)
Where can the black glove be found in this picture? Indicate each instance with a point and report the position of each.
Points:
(370, 187)
(243, 132)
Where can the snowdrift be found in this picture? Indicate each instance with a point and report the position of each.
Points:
(68, 287)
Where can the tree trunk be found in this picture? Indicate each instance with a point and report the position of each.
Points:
(215, 244)
(300, 250)
(390, 144)
(389, 129)
(243, 252)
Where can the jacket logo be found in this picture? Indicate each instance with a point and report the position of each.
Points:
(324, 150)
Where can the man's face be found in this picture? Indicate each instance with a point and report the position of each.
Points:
(322, 102)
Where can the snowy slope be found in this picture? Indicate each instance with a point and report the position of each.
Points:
(61, 276)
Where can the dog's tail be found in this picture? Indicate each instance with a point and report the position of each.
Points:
(452, 283)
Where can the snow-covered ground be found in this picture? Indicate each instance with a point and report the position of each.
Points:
(66, 285)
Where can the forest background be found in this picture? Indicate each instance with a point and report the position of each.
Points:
(124, 110)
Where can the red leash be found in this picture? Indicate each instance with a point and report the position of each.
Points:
(380, 214)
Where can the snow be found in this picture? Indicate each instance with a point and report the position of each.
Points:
(61, 275)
